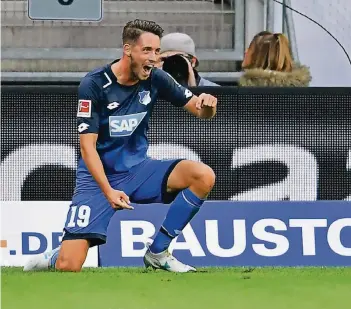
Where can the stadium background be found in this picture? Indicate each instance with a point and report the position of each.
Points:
(265, 144)
(292, 144)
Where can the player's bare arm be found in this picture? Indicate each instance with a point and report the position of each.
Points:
(117, 199)
(203, 106)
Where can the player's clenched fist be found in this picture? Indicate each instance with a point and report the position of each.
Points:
(206, 100)
(118, 199)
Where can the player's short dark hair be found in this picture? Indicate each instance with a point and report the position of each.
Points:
(133, 29)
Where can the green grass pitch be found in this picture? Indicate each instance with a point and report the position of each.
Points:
(136, 288)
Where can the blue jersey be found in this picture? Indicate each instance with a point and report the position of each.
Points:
(120, 115)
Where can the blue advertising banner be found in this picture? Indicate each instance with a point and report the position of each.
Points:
(239, 234)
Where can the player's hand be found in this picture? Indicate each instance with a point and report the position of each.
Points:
(206, 100)
(118, 200)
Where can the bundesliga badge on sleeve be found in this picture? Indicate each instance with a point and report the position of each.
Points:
(84, 108)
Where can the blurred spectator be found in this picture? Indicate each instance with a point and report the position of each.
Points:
(178, 58)
(268, 62)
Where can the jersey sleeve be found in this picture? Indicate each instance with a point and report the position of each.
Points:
(88, 107)
(170, 90)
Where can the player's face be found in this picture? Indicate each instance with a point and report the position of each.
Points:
(144, 55)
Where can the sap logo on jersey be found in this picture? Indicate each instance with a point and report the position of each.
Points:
(124, 125)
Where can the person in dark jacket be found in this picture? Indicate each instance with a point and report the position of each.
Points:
(268, 62)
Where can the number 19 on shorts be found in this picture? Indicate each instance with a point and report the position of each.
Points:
(79, 216)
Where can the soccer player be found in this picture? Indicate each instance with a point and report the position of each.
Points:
(115, 104)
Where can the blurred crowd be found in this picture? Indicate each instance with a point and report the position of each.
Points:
(267, 62)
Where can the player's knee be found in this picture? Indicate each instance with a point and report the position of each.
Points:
(68, 265)
(205, 177)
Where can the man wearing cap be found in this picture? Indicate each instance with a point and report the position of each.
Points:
(177, 43)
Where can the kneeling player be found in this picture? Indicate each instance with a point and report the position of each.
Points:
(115, 104)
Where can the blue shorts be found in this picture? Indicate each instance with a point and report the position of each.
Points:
(90, 212)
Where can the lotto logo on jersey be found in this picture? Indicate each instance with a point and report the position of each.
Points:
(124, 125)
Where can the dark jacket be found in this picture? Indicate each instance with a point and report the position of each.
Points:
(299, 77)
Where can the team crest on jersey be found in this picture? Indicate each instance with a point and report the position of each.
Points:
(84, 108)
(120, 126)
(144, 97)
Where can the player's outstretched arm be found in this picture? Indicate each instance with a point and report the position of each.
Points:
(203, 106)
(117, 199)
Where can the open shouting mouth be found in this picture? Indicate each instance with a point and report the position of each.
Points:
(147, 68)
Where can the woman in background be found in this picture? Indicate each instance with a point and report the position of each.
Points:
(268, 62)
